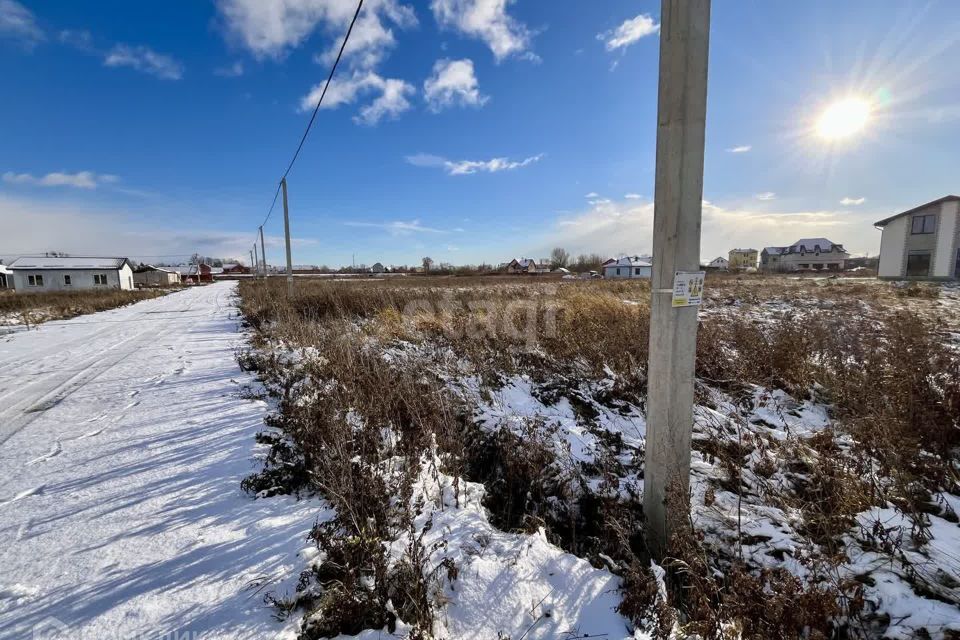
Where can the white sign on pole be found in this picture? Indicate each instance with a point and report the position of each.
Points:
(688, 288)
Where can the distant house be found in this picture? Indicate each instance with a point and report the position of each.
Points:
(235, 268)
(718, 263)
(70, 274)
(6, 277)
(149, 276)
(194, 274)
(817, 254)
(377, 268)
(527, 265)
(922, 243)
(740, 259)
(629, 267)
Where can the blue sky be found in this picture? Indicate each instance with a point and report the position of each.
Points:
(466, 130)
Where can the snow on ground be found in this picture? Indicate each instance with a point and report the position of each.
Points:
(515, 585)
(123, 440)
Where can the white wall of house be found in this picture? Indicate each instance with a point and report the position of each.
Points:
(623, 271)
(891, 248)
(946, 231)
(72, 279)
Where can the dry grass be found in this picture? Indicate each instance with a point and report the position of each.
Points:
(34, 308)
(361, 416)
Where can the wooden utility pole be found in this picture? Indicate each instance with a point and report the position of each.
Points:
(263, 253)
(678, 197)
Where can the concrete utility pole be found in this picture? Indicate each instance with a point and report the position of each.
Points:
(253, 265)
(263, 253)
(256, 262)
(286, 233)
(678, 197)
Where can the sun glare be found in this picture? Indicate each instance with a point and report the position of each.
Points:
(844, 118)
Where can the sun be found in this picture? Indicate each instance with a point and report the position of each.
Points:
(844, 118)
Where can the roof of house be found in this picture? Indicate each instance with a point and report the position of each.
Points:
(741, 250)
(525, 263)
(720, 258)
(886, 221)
(811, 244)
(150, 267)
(630, 261)
(72, 262)
(806, 245)
(185, 269)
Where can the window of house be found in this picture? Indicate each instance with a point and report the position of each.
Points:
(35, 281)
(99, 278)
(636, 271)
(618, 270)
(67, 281)
(924, 224)
(918, 264)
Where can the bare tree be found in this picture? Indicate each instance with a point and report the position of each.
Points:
(559, 257)
(427, 263)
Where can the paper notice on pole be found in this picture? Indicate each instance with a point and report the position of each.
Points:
(688, 288)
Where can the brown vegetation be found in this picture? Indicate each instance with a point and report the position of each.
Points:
(370, 395)
(35, 308)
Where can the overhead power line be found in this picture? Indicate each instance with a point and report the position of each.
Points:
(316, 109)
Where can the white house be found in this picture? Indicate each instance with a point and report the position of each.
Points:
(817, 254)
(922, 243)
(718, 263)
(629, 267)
(68, 274)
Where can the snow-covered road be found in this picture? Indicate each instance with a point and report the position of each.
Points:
(123, 440)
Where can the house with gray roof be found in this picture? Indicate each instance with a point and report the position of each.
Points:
(629, 267)
(922, 243)
(806, 254)
(70, 273)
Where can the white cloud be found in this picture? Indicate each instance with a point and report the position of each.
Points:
(486, 20)
(234, 70)
(79, 180)
(391, 96)
(79, 39)
(632, 196)
(592, 194)
(391, 102)
(271, 28)
(18, 24)
(81, 229)
(630, 31)
(766, 195)
(612, 228)
(852, 201)
(466, 167)
(740, 149)
(144, 59)
(397, 227)
(453, 83)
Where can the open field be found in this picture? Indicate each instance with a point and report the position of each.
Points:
(34, 308)
(482, 439)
